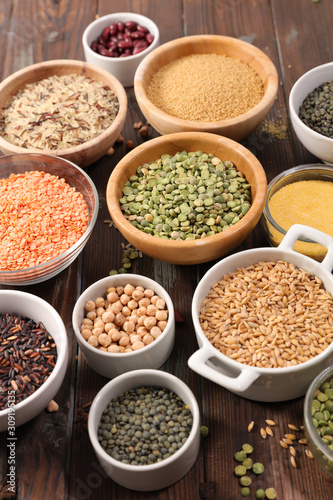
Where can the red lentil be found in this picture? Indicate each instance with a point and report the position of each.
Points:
(41, 216)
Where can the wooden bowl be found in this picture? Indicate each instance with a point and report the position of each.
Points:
(88, 152)
(188, 251)
(235, 128)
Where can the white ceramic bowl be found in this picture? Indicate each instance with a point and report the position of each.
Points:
(122, 68)
(37, 309)
(262, 384)
(155, 476)
(112, 364)
(318, 144)
(76, 178)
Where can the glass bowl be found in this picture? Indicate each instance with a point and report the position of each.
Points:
(273, 231)
(75, 177)
(320, 450)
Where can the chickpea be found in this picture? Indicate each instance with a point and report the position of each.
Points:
(124, 299)
(155, 332)
(144, 302)
(104, 339)
(90, 305)
(114, 348)
(160, 304)
(87, 321)
(120, 290)
(149, 322)
(99, 302)
(141, 320)
(109, 326)
(137, 345)
(142, 311)
(132, 304)
(100, 311)
(161, 315)
(162, 325)
(137, 295)
(86, 327)
(108, 317)
(151, 310)
(134, 318)
(154, 299)
(116, 307)
(128, 349)
(111, 289)
(99, 323)
(124, 340)
(93, 341)
(126, 311)
(148, 339)
(86, 333)
(119, 319)
(91, 315)
(97, 331)
(112, 297)
(129, 289)
(149, 293)
(134, 338)
(101, 348)
(129, 326)
(139, 287)
(114, 334)
(106, 304)
(142, 330)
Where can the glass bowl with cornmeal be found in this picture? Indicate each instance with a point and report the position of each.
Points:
(300, 195)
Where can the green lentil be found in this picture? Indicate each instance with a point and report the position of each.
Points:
(187, 196)
(137, 420)
(316, 111)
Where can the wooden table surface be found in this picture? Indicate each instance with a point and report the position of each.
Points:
(54, 458)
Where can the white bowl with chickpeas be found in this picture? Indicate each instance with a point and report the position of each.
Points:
(124, 322)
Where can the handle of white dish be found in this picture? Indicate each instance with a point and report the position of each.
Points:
(198, 363)
(298, 231)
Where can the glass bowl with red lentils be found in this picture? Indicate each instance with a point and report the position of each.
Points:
(48, 208)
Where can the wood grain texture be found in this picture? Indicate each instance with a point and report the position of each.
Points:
(55, 460)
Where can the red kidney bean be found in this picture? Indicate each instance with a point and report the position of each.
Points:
(122, 39)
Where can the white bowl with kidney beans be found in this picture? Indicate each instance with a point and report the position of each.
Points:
(18, 383)
(278, 356)
(120, 343)
(171, 468)
(118, 42)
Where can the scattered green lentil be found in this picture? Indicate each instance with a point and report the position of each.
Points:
(204, 431)
(144, 425)
(185, 196)
(316, 111)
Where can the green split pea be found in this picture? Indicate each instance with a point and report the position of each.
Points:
(322, 412)
(186, 196)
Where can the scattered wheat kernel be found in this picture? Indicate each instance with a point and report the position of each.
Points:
(250, 426)
(292, 451)
(288, 441)
(283, 444)
(290, 436)
(303, 441)
(270, 422)
(308, 453)
(263, 433)
(293, 427)
(269, 431)
(293, 462)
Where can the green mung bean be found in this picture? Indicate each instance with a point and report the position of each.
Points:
(186, 196)
(146, 424)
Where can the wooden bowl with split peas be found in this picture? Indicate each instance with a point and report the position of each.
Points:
(81, 149)
(207, 93)
(188, 251)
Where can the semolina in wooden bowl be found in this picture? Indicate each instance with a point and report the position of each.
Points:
(91, 141)
(188, 251)
(217, 93)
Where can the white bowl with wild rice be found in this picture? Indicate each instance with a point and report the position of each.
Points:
(264, 319)
(65, 108)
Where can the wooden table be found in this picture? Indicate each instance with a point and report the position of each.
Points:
(54, 458)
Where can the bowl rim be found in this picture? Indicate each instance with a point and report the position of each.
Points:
(116, 15)
(136, 375)
(120, 220)
(269, 94)
(63, 256)
(318, 381)
(315, 167)
(86, 294)
(237, 365)
(61, 357)
(295, 90)
(84, 68)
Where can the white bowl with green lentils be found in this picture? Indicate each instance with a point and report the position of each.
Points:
(124, 322)
(264, 319)
(160, 445)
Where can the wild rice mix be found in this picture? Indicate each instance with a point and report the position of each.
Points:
(41, 216)
(58, 112)
(269, 315)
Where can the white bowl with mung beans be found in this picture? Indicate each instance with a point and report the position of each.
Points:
(143, 472)
(124, 322)
(264, 319)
